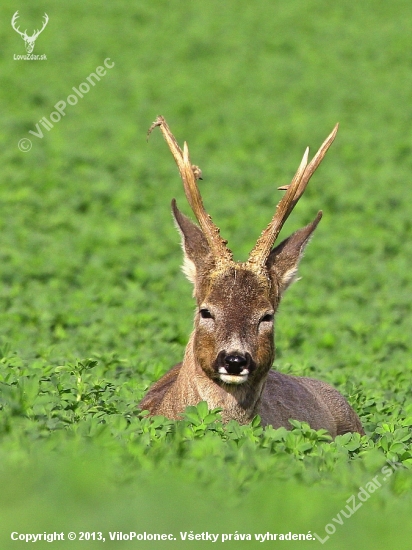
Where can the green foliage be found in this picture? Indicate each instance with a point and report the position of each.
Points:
(88, 400)
(89, 262)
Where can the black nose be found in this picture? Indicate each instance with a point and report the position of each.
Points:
(235, 363)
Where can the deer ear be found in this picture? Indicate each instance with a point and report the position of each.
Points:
(195, 247)
(284, 259)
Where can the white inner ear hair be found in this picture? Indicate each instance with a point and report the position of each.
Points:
(189, 269)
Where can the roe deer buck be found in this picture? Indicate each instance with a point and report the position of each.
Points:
(230, 353)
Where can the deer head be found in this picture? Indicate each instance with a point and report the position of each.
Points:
(29, 41)
(233, 338)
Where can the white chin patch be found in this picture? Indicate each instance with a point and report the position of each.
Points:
(233, 378)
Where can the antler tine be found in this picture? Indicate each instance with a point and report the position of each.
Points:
(172, 143)
(13, 24)
(294, 191)
(46, 20)
(317, 159)
(189, 174)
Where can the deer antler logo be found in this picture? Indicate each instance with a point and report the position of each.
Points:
(29, 41)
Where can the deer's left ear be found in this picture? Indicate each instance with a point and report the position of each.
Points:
(284, 259)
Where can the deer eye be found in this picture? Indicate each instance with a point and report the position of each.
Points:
(205, 314)
(268, 318)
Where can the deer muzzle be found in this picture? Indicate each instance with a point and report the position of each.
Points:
(234, 367)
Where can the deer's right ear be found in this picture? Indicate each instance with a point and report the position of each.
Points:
(195, 247)
(283, 261)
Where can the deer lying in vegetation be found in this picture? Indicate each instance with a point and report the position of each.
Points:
(229, 356)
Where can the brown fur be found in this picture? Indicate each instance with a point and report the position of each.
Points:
(284, 397)
(276, 397)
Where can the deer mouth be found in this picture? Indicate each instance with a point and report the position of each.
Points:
(234, 368)
(233, 378)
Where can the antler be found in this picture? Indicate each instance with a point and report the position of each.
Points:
(294, 191)
(13, 21)
(46, 20)
(24, 34)
(189, 174)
